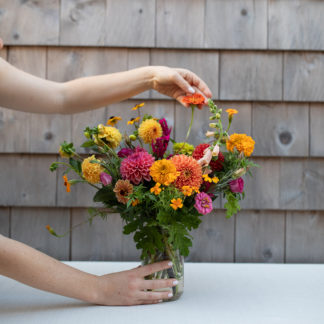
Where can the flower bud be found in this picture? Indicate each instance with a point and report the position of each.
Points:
(105, 178)
(132, 137)
(212, 118)
(213, 125)
(210, 134)
(238, 173)
(87, 134)
(218, 116)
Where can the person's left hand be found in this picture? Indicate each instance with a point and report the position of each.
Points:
(177, 83)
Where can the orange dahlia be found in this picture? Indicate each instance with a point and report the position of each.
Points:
(123, 188)
(242, 142)
(190, 171)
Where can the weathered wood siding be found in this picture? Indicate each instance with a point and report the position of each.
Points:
(262, 57)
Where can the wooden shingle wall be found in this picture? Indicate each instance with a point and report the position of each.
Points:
(263, 57)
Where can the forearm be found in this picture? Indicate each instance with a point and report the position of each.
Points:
(98, 91)
(29, 266)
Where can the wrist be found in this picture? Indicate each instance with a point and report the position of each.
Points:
(149, 76)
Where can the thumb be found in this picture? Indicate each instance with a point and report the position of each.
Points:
(183, 84)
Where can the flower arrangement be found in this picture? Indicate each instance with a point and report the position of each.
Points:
(161, 188)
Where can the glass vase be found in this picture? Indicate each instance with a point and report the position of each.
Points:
(176, 272)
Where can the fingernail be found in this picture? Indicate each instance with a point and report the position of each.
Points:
(191, 90)
(170, 263)
(175, 282)
(170, 295)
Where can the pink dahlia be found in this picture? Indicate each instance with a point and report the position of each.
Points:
(203, 204)
(136, 167)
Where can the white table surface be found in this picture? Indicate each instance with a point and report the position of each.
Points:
(214, 293)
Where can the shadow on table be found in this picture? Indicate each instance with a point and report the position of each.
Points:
(11, 310)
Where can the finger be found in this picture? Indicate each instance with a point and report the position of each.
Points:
(1, 43)
(155, 267)
(183, 84)
(154, 295)
(194, 80)
(158, 283)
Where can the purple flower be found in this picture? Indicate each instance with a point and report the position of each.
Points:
(160, 146)
(124, 152)
(203, 204)
(105, 178)
(165, 128)
(237, 185)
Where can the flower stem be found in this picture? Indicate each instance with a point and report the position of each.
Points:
(191, 122)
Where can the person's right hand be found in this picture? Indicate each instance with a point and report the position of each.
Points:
(129, 287)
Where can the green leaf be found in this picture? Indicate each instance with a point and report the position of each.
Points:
(232, 205)
(54, 166)
(76, 165)
(88, 143)
(106, 195)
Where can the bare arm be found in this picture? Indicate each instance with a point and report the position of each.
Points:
(22, 91)
(29, 266)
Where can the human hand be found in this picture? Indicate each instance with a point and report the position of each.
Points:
(1, 43)
(128, 287)
(177, 83)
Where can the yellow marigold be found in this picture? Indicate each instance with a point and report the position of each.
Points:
(138, 106)
(242, 142)
(164, 172)
(187, 190)
(133, 120)
(91, 171)
(207, 178)
(231, 112)
(176, 203)
(111, 135)
(150, 130)
(156, 189)
(113, 120)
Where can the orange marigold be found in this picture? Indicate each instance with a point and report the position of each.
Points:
(66, 183)
(242, 142)
(195, 99)
(176, 203)
(190, 171)
(231, 112)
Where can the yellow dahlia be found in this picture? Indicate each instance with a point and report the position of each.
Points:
(190, 171)
(242, 142)
(111, 135)
(163, 171)
(91, 171)
(150, 130)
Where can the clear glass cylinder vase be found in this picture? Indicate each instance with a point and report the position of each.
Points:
(176, 272)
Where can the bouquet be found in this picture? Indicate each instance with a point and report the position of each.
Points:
(161, 188)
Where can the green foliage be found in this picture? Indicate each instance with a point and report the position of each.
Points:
(232, 205)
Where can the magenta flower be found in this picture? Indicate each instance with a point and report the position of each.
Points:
(165, 128)
(160, 146)
(203, 204)
(136, 167)
(124, 152)
(237, 185)
(105, 178)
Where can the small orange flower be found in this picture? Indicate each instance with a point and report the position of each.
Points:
(113, 120)
(138, 106)
(231, 112)
(133, 120)
(176, 203)
(156, 189)
(135, 202)
(66, 183)
(195, 99)
(187, 190)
